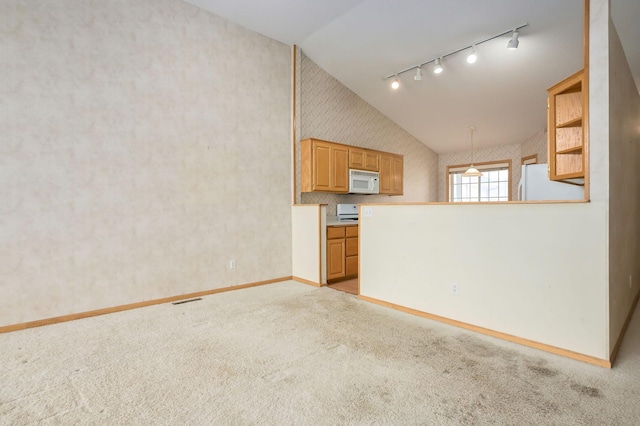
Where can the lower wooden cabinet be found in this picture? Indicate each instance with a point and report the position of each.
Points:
(342, 252)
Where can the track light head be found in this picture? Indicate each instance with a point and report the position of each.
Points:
(418, 75)
(473, 56)
(437, 68)
(513, 43)
(395, 83)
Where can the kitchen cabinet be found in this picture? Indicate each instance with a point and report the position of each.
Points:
(567, 128)
(391, 174)
(363, 159)
(342, 252)
(324, 166)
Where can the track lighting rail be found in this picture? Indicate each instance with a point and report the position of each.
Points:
(512, 30)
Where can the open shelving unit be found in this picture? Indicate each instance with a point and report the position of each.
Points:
(567, 128)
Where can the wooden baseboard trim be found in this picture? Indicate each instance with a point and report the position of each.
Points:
(616, 348)
(303, 281)
(104, 311)
(504, 336)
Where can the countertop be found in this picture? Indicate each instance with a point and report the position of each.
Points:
(333, 221)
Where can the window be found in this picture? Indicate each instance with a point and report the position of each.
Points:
(493, 185)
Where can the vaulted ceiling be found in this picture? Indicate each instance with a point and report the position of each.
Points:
(503, 94)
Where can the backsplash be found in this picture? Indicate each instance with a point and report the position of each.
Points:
(330, 111)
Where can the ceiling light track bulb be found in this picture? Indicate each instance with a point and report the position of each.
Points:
(473, 56)
(513, 43)
(437, 68)
(418, 75)
(395, 84)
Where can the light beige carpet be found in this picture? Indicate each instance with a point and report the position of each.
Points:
(289, 353)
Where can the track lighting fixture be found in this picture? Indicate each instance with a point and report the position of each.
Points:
(471, 58)
(513, 43)
(395, 84)
(437, 68)
(418, 75)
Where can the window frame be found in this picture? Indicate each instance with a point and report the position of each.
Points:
(487, 165)
(529, 159)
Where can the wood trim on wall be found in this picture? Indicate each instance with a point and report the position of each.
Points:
(484, 163)
(294, 117)
(120, 308)
(529, 157)
(304, 281)
(585, 107)
(320, 244)
(504, 336)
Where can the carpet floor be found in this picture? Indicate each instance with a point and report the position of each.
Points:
(289, 353)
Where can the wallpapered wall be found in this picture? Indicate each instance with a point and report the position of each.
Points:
(330, 111)
(624, 187)
(142, 148)
(536, 144)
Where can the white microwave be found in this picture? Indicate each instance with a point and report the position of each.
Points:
(364, 182)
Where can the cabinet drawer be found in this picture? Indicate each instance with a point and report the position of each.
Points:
(352, 231)
(335, 232)
(352, 247)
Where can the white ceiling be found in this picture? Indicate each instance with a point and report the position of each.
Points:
(503, 94)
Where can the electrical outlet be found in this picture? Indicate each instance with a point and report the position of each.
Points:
(455, 288)
(368, 212)
(232, 264)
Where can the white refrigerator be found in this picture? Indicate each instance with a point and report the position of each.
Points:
(536, 185)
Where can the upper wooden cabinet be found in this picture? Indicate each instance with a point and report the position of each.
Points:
(391, 174)
(363, 159)
(567, 118)
(324, 166)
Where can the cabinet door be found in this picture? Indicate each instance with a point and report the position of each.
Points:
(385, 174)
(351, 266)
(398, 175)
(335, 259)
(356, 158)
(340, 171)
(321, 166)
(363, 159)
(371, 161)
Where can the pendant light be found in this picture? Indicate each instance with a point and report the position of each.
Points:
(472, 171)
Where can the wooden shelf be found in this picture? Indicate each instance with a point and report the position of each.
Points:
(576, 122)
(575, 149)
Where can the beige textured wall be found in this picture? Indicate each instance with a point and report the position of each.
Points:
(142, 148)
(330, 111)
(624, 189)
(536, 144)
